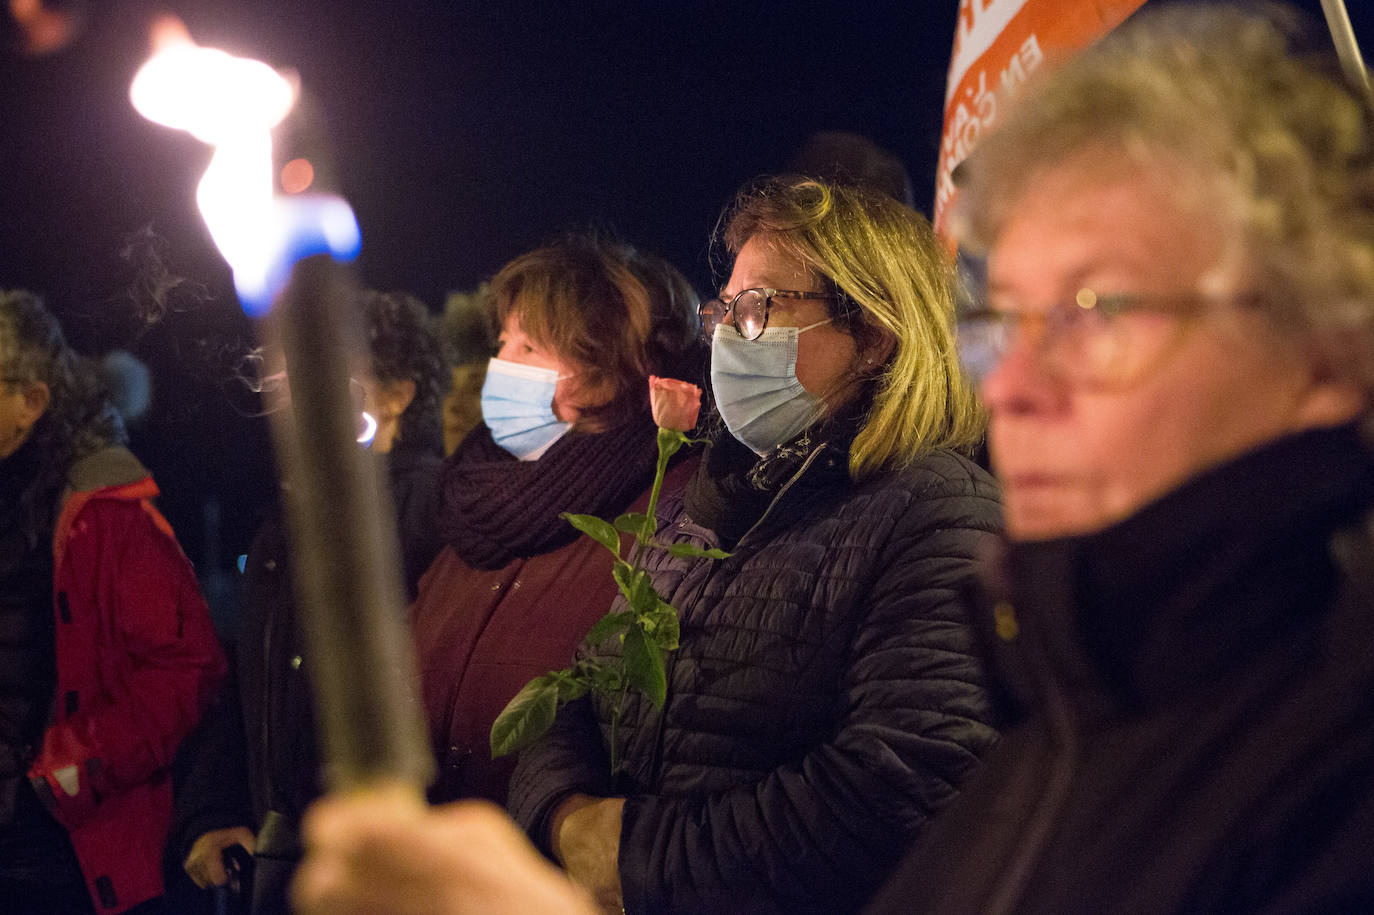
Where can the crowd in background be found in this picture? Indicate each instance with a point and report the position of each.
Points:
(1046, 586)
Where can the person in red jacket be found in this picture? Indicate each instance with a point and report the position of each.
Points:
(107, 653)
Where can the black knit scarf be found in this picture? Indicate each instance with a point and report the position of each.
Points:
(496, 508)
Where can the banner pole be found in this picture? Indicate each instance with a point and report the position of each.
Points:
(1347, 48)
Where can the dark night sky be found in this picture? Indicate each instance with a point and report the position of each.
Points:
(463, 133)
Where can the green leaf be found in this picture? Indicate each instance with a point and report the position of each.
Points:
(644, 666)
(667, 627)
(688, 550)
(526, 717)
(636, 587)
(609, 625)
(608, 680)
(603, 532)
(645, 598)
(624, 573)
(573, 683)
(636, 523)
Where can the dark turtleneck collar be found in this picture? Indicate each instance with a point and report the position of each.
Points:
(1195, 583)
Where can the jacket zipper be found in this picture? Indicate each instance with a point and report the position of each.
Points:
(657, 760)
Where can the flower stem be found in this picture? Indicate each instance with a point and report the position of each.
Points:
(668, 444)
(616, 712)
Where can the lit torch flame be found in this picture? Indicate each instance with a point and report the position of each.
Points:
(232, 104)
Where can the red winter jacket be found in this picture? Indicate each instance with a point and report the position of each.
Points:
(137, 662)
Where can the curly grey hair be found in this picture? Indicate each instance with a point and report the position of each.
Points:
(1241, 112)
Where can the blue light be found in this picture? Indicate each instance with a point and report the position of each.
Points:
(309, 224)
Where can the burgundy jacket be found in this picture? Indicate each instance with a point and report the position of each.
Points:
(482, 635)
(137, 662)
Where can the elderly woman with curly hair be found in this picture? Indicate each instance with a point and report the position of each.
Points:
(1178, 346)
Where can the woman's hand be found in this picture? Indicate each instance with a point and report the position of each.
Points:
(204, 863)
(382, 850)
(585, 836)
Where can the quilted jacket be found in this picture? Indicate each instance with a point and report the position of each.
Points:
(824, 702)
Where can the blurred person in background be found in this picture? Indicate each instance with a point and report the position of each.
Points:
(109, 656)
(468, 340)
(841, 157)
(583, 324)
(255, 767)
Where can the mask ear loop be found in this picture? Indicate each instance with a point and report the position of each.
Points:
(802, 330)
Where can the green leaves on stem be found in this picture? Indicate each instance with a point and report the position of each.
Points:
(531, 713)
(647, 629)
(603, 532)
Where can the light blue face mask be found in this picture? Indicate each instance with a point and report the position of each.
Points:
(517, 406)
(756, 387)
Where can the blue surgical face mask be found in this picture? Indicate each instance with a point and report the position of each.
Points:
(517, 406)
(756, 387)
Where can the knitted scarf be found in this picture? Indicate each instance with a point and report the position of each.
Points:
(496, 508)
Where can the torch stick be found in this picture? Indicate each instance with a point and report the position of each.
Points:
(343, 544)
(1347, 48)
(348, 587)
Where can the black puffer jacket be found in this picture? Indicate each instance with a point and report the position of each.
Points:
(822, 705)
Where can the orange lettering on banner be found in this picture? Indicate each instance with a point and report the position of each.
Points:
(998, 45)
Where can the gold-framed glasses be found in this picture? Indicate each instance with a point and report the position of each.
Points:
(1103, 340)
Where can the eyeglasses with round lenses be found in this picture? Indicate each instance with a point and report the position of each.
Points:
(1096, 340)
(748, 311)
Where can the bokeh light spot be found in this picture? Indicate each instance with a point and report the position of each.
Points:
(296, 176)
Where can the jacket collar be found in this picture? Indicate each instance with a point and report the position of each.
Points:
(1194, 584)
(110, 473)
(113, 466)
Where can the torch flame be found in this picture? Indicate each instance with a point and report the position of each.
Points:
(232, 104)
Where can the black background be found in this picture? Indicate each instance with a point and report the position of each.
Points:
(462, 133)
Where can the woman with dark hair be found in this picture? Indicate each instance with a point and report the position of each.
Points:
(235, 786)
(100, 611)
(404, 393)
(582, 325)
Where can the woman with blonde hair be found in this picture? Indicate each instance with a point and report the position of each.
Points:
(823, 702)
